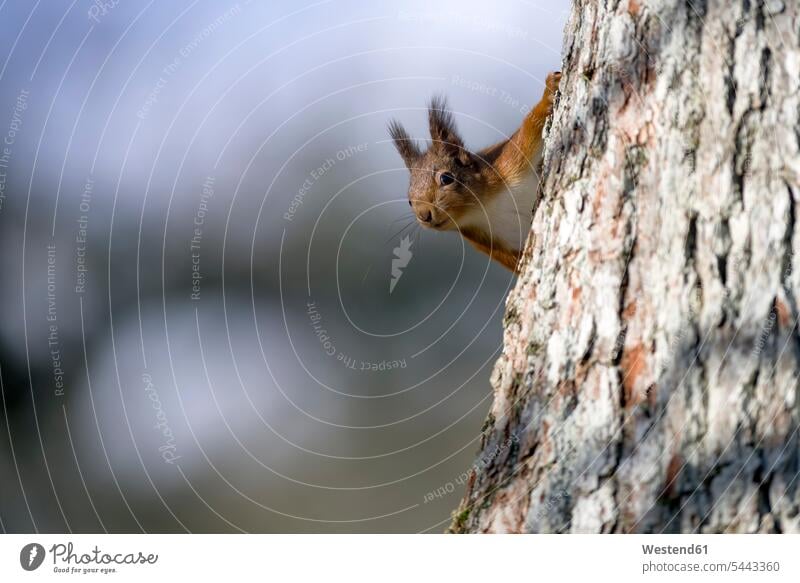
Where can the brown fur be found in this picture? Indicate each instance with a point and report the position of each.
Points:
(495, 250)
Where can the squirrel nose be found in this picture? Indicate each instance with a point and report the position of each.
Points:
(425, 216)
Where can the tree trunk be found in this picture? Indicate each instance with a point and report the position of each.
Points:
(649, 378)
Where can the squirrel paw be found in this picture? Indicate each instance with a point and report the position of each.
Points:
(553, 79)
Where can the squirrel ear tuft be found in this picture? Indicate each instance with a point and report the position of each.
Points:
(406, 146)
(442, 125)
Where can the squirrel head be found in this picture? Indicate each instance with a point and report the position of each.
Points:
(446, 179)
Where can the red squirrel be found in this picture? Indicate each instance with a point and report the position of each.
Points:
(487, 196)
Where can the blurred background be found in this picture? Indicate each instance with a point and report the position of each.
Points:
(199, 210)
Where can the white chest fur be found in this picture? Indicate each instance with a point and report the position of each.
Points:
(507, 216)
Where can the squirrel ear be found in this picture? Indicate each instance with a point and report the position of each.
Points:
(406, 147)
(442, 126)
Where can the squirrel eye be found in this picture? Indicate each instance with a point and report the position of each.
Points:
(446, 178)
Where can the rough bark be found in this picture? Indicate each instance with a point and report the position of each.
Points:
(649, 378)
